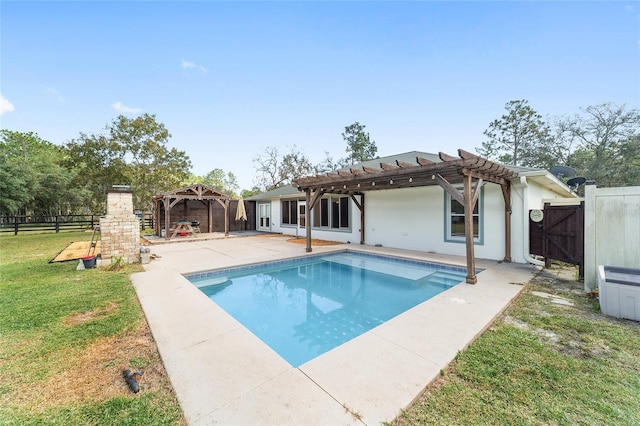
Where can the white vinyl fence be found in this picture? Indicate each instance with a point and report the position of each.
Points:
(611, 230)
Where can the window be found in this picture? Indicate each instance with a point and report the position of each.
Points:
(303, 215)
(289, 212)
(454, 218)
(332, 212)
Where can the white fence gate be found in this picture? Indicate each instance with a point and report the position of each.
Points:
(611, 230)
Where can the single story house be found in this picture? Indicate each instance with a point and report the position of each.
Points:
(417, 201)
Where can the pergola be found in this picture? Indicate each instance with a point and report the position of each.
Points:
(469, 169)
(198, 192)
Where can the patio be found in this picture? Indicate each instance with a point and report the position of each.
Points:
(223, 374)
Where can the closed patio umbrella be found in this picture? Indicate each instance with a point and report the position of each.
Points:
(241, 213)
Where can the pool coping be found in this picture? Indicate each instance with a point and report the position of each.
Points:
(222, 373)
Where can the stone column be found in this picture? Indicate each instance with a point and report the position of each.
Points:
(120, 228)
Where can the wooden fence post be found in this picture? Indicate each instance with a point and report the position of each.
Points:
(15, 225)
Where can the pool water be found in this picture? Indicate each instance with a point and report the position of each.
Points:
(305, 307)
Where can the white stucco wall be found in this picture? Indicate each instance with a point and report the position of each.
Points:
(415, 219)
(612, 230)
(526, 195)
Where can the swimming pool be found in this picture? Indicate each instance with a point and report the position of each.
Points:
(307, 306)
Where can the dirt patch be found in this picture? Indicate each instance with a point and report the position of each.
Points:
(317, 243)
(81, 317)
(97, 374)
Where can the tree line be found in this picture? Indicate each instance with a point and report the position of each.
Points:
(38, 177)
(602, 143)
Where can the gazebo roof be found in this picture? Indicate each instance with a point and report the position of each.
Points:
(196, 191)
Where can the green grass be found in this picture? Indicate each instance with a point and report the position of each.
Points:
(541, 363)
(51, 317)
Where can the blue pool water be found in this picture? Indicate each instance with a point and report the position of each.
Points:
(305, 307)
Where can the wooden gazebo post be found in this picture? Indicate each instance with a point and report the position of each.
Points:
(226, 217)
(166, 202)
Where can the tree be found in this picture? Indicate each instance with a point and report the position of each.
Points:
(224, 182)
(266, 165)
(100, 164)
(518, 137)
(153, 166)
(246, 193)
(274, 171)
(34, 180)
(15, 193)
(329, 164)
(359, 146)
(608, 144)
(132, 152)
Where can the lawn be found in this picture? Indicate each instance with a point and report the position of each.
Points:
(66, 336)
(541, 363)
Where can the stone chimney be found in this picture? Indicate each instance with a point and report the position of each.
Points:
(120, 228)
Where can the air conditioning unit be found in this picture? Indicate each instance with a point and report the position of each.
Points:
(619, 292)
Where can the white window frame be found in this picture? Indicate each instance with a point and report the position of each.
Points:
(317, 215)
(448, 237)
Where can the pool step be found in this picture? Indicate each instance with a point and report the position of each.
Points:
(444, 278)
(406, 270)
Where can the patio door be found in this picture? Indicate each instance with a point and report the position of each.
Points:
(264, 217)
(301, 230)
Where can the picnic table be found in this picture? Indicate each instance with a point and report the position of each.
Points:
(183, 228)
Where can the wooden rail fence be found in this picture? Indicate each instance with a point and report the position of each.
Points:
(57, 223)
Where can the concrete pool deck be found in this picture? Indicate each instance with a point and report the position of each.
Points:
(223, 374)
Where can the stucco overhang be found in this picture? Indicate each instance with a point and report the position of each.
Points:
(549, 181)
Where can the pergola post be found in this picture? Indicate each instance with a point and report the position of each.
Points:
(307, 223)
(167, 220)
(506, 194)
(210, 216)
(468, 230)
(360, 206)
(226, 217)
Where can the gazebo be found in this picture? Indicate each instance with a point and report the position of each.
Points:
(469, 169)
(195, 203)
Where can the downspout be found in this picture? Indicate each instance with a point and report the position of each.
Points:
(525, 220)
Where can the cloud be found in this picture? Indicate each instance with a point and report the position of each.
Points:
(120, 107)
(55, 94)
(192, 65)
(5, 105)
(187, 64)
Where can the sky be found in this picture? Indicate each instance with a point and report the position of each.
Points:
(228, 79)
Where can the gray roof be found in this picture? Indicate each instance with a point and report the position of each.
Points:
(283, 191)
(408, 157)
